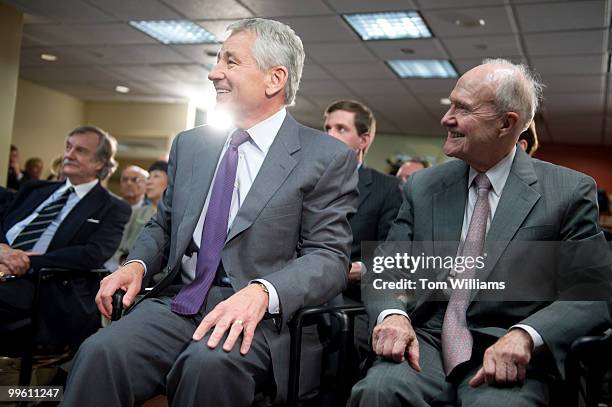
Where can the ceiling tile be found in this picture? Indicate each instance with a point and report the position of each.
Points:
(564, 104)
(322, 88)
(209, 9)
(338, 52)
(360, 70)
(313, 71)
(441, 87)
(443, 22)
(581, 64)
(135, 54)
(566, 43)
(489, 46)
(567, 16)
(376, 87)
(424, 48)
(86, 34)
(362, 6)
(320, 29)
(286, 8)
(434, 4)
(139, 72)
(65, 73)
(200, 53)
(573, 83)
(64, 10)
(138, 10)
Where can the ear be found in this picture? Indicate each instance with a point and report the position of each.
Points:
(509, 123)
(522, 144)
(276, 79)
(364, 140)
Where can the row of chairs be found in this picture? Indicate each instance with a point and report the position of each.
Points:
(589, 360)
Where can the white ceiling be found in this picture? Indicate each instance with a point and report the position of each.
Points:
(567, 42)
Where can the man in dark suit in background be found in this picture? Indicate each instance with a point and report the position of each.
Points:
(255, 223)
(76, 225)
(471, 347)
(379, 197)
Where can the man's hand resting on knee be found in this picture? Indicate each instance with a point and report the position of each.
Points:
(128, 278)
(240, 313)
(505, 362)
(394, 337)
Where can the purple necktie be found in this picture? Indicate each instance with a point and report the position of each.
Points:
(456, 337)
(191, 297)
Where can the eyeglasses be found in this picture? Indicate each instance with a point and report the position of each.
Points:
(135, 180)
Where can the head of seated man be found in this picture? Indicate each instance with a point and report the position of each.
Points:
(88, 155)
(352, 123)
(132, 185)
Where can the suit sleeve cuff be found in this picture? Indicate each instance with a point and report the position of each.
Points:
(538, 342)
(273, 300)
(139, 262)
(388, 312)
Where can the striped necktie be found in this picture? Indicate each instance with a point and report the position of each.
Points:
(28, 237)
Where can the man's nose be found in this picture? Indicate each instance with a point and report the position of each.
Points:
(215, 73)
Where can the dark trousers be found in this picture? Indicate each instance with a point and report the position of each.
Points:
(150, 351)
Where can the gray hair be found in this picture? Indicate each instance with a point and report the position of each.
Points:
(105, 151)
(519, 92)
(275, 44)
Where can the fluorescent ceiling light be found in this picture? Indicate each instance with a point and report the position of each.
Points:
(122, 89)
(48, 57)
(422, 68)
(388, 25)
(175, 32)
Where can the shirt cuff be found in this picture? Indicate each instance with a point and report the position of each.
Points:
(535, 336)
(388, 312)
(139, 262)
(273, 300)
(364, 269)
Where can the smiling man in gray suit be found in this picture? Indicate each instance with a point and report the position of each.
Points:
(462, 347)
(254, 225)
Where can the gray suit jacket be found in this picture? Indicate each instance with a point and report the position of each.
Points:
(540, 202)
(291, 229)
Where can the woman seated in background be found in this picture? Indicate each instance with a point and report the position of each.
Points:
(155, 186)
(33, 170)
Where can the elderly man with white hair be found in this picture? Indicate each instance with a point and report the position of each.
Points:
(472, 346)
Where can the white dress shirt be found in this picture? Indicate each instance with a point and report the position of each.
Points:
(43, 242)
(498, 175)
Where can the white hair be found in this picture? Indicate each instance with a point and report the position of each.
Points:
(275, 44)
(518, 90)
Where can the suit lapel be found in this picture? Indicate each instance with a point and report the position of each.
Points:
(83, 210)
(36, 197)
(206, 155)
(515, 204)
(276, 167)
(365, 184)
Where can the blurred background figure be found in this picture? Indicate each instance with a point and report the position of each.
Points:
(56, 173)
(411, 166)
(528, 140)
(14, 171)
(605, 215)
(132, 186)
(33, 169)
(155, 186)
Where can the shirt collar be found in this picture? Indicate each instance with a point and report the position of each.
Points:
(82, 189)
(264, 132)
(498, 174)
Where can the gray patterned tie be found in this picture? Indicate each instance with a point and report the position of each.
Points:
(27, 238)
(456, 337)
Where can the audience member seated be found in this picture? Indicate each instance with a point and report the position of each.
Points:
(56, 173)
(77, 225)
(155, 186)
(438, 345)
(15, 174)
(528, 140)
(409, 167)
(255, 220)
(132, 186)
(33, 170)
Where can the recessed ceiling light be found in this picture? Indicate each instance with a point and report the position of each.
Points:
(422, 68)
(388, 25)
(175, 31)
(445, 101)
(48, 57)
(471, 22)
(122, 89)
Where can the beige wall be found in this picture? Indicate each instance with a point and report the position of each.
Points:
(387, 146)
(10, 32)
(43, 117)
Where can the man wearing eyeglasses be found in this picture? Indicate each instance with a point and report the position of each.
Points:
(132, 186)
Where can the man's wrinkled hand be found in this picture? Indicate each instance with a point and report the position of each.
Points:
(128, 278)
(15, 261)
(240, 313)
(355, 272)
(394, 337)
(505, 362)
